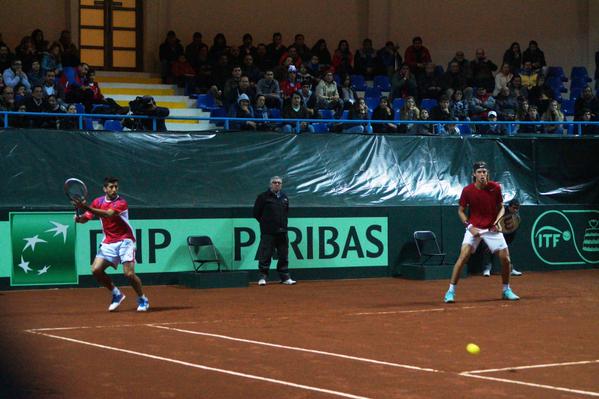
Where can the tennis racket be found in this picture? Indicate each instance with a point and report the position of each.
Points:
(76, 191)
(509, 223)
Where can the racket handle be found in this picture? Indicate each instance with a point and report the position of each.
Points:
(78, 212)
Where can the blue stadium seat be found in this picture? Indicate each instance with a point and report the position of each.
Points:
(382, 82)
(358, 82)
(439, 70)
(80, 108)
(206, 102)
(326, 113)
(580, 81)
(572, 130)
(464, 129)
(69, 73)
(428, 103)
(372, 102)
(218, 113)
(568, 107)
(397, 103)
(320, 128)
(88, 124)
(113, 126)
(345, 114)
(578, 72)
(274, 113)
(337, 79)
(575, 92)
(397, 115)
(100, 108)
(373, 92)
(557, 72)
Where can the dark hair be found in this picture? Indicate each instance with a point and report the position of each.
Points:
(514, 202)
(297, 36)
(110, 179)
(248, 36)
(533, 42)
(276, 34)
(197, 34)
(417, 39)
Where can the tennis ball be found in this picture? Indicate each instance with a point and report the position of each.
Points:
(473, 349)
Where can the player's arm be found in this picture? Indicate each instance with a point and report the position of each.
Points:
(95, 211)
(464, 218)
(500, 213)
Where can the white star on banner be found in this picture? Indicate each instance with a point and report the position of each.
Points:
(24, 265)
(59, 229)
(31, 241)
(43, 270)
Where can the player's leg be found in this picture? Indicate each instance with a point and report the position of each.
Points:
(508, 239)
(497, 244)
(99, 271)
(469, 245)
(143, 304)
(264, 257)
(282, 244)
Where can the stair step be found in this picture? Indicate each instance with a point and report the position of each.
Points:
(127, 74)
(128, 79)
(139, 91)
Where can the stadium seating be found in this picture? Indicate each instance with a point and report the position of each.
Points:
(358, 82)
(113, 125)
(575, 92)
(320, 128)
(557, 72)
(428, 103)
(372, 92)
(568, 107)
(382, 82)
(372, 102)
(206, 102)
(397, 103)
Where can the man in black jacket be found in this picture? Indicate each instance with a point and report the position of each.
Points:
(271, 209)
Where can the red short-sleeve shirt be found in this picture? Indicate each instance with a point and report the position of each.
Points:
(483, 204)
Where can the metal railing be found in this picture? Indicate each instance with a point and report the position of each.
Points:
(512, 126)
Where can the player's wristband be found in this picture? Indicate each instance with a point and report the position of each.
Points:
(466, 223)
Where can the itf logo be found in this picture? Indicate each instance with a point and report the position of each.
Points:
(569, 237)
(43, 248)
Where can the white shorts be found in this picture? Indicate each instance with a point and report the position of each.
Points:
(118, 252)
(494, 240)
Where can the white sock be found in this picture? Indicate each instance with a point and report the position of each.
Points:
(144, 297)
(116, 291)
(451, 287)
(506, 287)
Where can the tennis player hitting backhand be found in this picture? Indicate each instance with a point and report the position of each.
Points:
(118, 245)
(484, 203)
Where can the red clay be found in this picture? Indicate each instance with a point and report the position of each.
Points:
(388, 320)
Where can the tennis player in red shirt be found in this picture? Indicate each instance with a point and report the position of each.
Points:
(484, 203)
(118, 245)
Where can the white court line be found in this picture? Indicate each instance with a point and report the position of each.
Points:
(294, 348)
(421, 310)
(534, 366)
(530, 384)
(200, 366)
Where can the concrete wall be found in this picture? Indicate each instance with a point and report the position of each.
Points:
(563, 28)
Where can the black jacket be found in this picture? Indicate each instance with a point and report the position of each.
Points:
(271, 212)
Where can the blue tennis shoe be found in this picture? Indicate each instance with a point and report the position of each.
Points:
(143, 304)
(509, 295)
(116, 301)
(450, 297)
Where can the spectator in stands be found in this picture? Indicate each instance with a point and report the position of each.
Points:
(69, 52)
(247, 47)
(389, 59)
(482, 71)
(230, 94)
(309, 99)
(291, 84)
(302, 49)
(282, 70)
(192, 50)
(541, 94)
(221, 73)
(269, 88)
(204, 77)
(502, 78)
(480, 104)
(531, 116)
(20, 93)
(429, 85)
(516, 87)
(261, 111)
(463, 64)
(327, 95)
(321, 51)
(417, 56)
(459, 106)
(536, 56)
(1, 83)
(314, 67)
(98, 97)
(403, 83)
(505, 103)
(442, 111)
(513, 57)
(365, 61)
(37, 38)
(243, 109)
(408, 112)
(75, 87)
(276, 49)
(586, 115)
(70, 123)
(296, 110)
(26, 53)
(359, 111)
(384, 112)
(553, 114)
(454, 79)
(6, 57)
(35, 103)
(509, 115)
(169, 52)
(52, 59)
(422, 129)
(20, 121)
(7, 101)
(294, 55)
(244, 87)
(587, 100)
(35, 75)
(219, 47)
(347, 94)
(16, 75)
(343, 59)
(53, 107)
(493, 128)
(304, 75)
(528, 75)
(523, 107)
(51, 88)
(248, 68)
(182, 72)
(261, 60)
(235, 55)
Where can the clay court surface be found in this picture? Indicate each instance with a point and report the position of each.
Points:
(371, 338)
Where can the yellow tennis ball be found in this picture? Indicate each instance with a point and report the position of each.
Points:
(473, 349)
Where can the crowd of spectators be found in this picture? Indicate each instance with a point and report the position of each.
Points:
(479, 89)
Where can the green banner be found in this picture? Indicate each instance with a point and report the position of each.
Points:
(566, 237)
(43, 248)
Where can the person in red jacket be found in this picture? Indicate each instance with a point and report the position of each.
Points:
(484, 203)
(417, 56)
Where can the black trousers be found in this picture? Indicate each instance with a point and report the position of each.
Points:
(265, 250)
